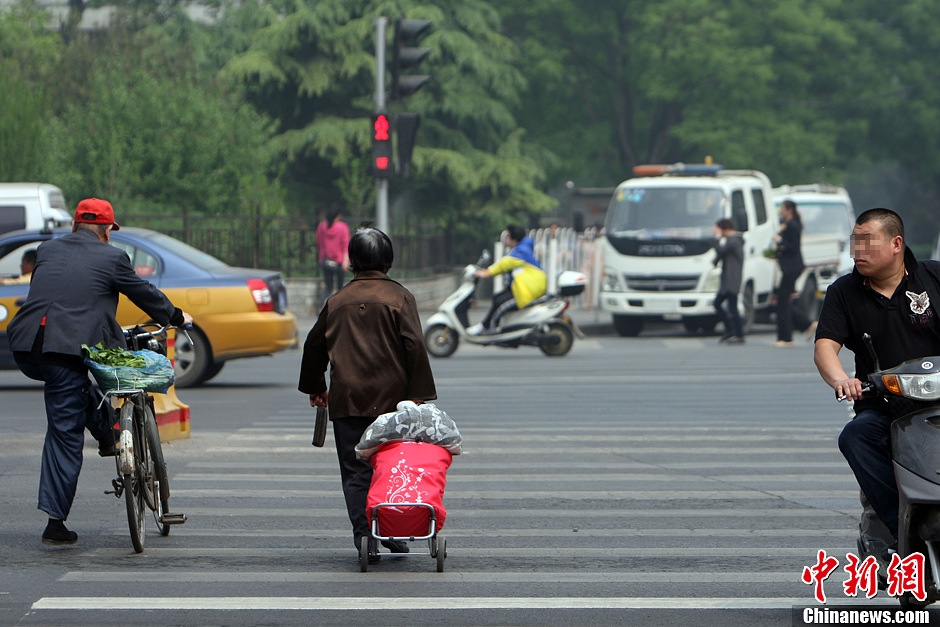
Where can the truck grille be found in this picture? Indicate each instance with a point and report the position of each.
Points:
(666, 283)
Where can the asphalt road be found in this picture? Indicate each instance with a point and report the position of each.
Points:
(661, 480)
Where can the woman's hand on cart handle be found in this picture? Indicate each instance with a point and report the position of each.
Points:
(320, 400)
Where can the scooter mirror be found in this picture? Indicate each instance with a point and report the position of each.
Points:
(485, 258)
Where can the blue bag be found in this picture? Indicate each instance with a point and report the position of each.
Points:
(156, 376)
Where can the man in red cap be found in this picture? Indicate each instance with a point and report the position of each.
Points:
(72, 301)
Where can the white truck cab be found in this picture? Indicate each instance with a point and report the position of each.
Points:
(828, 218)
(31, 206)
(658, 244)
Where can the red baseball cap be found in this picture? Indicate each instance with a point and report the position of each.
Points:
(96, 211)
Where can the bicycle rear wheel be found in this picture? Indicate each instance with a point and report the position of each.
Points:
(133, 481)
(161, 492)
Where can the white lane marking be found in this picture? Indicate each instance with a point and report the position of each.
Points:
(584, 553)
(655, 475)
(589, 452)
(311, 467)
(525, 495)
(391, 603)
(466, 532)
(735, 513)
(827, 438)
(449, 578)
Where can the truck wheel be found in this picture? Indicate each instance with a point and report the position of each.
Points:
(700, 325)
(749, 307)
(807, 301)
(627, 326)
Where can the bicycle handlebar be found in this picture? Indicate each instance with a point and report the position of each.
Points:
(131, 335)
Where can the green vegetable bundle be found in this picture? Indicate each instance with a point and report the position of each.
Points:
(113, 356)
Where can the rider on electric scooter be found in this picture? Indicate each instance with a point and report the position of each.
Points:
(527, 281)
(891, 296)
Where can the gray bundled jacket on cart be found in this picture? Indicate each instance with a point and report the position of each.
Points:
(414, 423)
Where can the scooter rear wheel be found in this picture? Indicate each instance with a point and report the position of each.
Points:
(441, 340)
(565, 340)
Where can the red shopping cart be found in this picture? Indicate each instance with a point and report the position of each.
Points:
(405, 501)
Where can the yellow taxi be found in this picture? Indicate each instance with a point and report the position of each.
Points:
(237, 312)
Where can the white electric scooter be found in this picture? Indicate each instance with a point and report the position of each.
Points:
(540, 323)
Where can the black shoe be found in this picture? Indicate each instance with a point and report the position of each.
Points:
(396, 546)
(736, 340)
(56, 534)
(108, 447)
(725, 337)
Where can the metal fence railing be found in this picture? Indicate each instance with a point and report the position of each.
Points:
(292, 248)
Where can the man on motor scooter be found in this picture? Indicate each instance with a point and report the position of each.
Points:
(527, 281)
(891, 296)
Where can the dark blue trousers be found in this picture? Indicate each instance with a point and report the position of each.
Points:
(70, 409)
(866, 444)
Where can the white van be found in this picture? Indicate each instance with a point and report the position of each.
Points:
(828, 218)
(658, 244)
(31, 206)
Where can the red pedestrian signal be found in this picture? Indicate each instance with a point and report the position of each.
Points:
(381, 127)
(381, 147)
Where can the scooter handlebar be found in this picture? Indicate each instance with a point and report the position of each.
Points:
(866, 388)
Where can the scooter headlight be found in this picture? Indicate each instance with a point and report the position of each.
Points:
(920, 387)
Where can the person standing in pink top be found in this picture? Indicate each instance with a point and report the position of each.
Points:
(333, 245)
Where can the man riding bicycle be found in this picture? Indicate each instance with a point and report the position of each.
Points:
(72, 301)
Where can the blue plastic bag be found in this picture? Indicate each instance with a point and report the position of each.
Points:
(156, 376)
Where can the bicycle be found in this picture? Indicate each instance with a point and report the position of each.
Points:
(141, 470)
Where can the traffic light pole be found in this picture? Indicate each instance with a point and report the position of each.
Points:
(381, 184)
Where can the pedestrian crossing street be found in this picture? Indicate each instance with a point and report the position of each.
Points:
(608, 524)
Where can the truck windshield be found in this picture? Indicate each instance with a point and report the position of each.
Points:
(665, 212)
(826, 218)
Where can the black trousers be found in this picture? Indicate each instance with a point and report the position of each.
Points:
(502, 302)
(730, 317)
(356, 473)
(333, 275)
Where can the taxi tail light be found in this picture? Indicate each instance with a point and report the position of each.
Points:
(260, 291)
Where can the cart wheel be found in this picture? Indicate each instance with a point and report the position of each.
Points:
(364, 555)
(432, 546)
(441, 554)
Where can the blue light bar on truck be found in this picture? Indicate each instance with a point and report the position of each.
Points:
(689, 169)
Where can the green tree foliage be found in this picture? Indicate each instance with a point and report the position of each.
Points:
(151, 133)
(311, 66)
(28, 57)
(674, 80)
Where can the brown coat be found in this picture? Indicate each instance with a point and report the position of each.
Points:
(370, 335)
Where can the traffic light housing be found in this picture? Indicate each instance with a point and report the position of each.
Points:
(382, 165)
(406, 126)
(406, 56)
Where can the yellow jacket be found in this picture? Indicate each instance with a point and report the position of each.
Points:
(528, 281)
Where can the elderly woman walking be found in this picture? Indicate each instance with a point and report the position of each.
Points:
(370, 335)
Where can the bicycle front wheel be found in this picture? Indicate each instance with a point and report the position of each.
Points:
(133, 481)
(161, 492)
